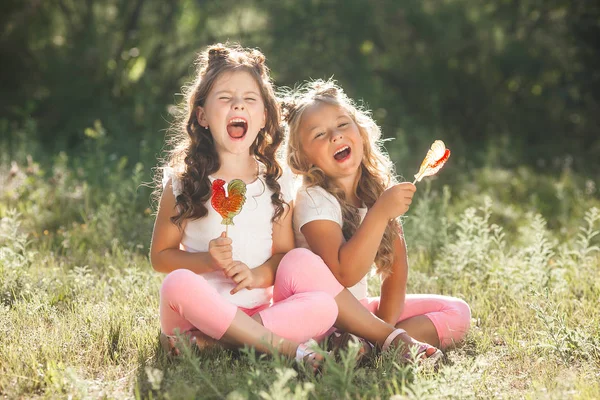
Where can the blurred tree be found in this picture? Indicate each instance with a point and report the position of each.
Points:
(506, 82)
(118, 61)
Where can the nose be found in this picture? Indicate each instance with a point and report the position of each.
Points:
(238, 104)
(337, 135)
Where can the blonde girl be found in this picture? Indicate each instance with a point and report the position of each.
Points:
(347, 213)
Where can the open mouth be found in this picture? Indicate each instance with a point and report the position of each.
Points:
(237, 128)
(342, 153)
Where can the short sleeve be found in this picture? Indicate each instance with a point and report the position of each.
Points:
(287, 183)
(313, 204)
(169, 173)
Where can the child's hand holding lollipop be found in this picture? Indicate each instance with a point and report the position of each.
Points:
(396, 200)
(228, 205)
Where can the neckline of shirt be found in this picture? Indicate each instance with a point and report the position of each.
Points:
(260, 170)
(362, 209)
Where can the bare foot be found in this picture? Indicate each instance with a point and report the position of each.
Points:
(307, 355)
(413, 350)
(196, 339)
(340, 341)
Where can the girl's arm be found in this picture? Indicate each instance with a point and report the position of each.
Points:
(283, 241)
(393, 287)
(165, 254)
(350, 261)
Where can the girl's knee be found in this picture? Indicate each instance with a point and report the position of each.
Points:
(463, 314)
(303, 271)
(298, 258)
(178, 282)
(300, 263)
(459, 319)
(327, 310)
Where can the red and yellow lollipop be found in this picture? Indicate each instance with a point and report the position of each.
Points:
(228, 205)
(434, 160)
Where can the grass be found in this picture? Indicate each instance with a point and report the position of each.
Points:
(79, 299)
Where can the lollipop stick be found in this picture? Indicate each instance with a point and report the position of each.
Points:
(417, 178)
(226, 229)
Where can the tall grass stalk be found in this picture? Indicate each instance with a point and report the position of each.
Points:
(79, 299)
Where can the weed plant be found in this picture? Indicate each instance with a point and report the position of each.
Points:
(79, 299)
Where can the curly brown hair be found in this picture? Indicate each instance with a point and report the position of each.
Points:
(193, 156)
(377, 170)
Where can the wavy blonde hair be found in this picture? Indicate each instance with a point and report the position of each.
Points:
(377, 170)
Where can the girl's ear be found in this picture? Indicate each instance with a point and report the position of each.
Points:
(201, 117)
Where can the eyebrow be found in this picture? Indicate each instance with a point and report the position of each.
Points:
(226, 91)
(337, 118)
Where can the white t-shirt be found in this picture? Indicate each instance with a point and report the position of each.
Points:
(315, 203)
(251, 234)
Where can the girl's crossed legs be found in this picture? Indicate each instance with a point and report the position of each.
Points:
(188, 303)
(300, 312)
(441, 321)
(301, 270)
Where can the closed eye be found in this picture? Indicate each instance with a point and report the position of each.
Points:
(250, 99)
(224, 98)
(319, 134)
(343, 125)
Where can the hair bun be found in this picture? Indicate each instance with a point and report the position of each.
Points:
(217, 52)
(326, 88)
(257, 56)
(288, 108)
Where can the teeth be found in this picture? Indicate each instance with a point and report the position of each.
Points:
(342, 149)
(236, 120)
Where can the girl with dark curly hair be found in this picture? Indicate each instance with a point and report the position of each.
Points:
(221, 286)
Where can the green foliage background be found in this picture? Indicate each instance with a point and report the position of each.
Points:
(511, 225)
(504, 83)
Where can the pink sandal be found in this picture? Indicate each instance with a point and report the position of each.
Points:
(424, 350)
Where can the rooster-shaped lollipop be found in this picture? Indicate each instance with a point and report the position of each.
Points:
(434, 160)
(230, 205)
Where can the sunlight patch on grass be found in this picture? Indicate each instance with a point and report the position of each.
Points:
(79, 305)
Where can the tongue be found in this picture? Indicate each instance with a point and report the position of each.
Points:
(341, 155)
(235, 131)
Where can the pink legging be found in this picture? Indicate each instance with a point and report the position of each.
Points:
(450, 316)
(303, 304)
(298, 313)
